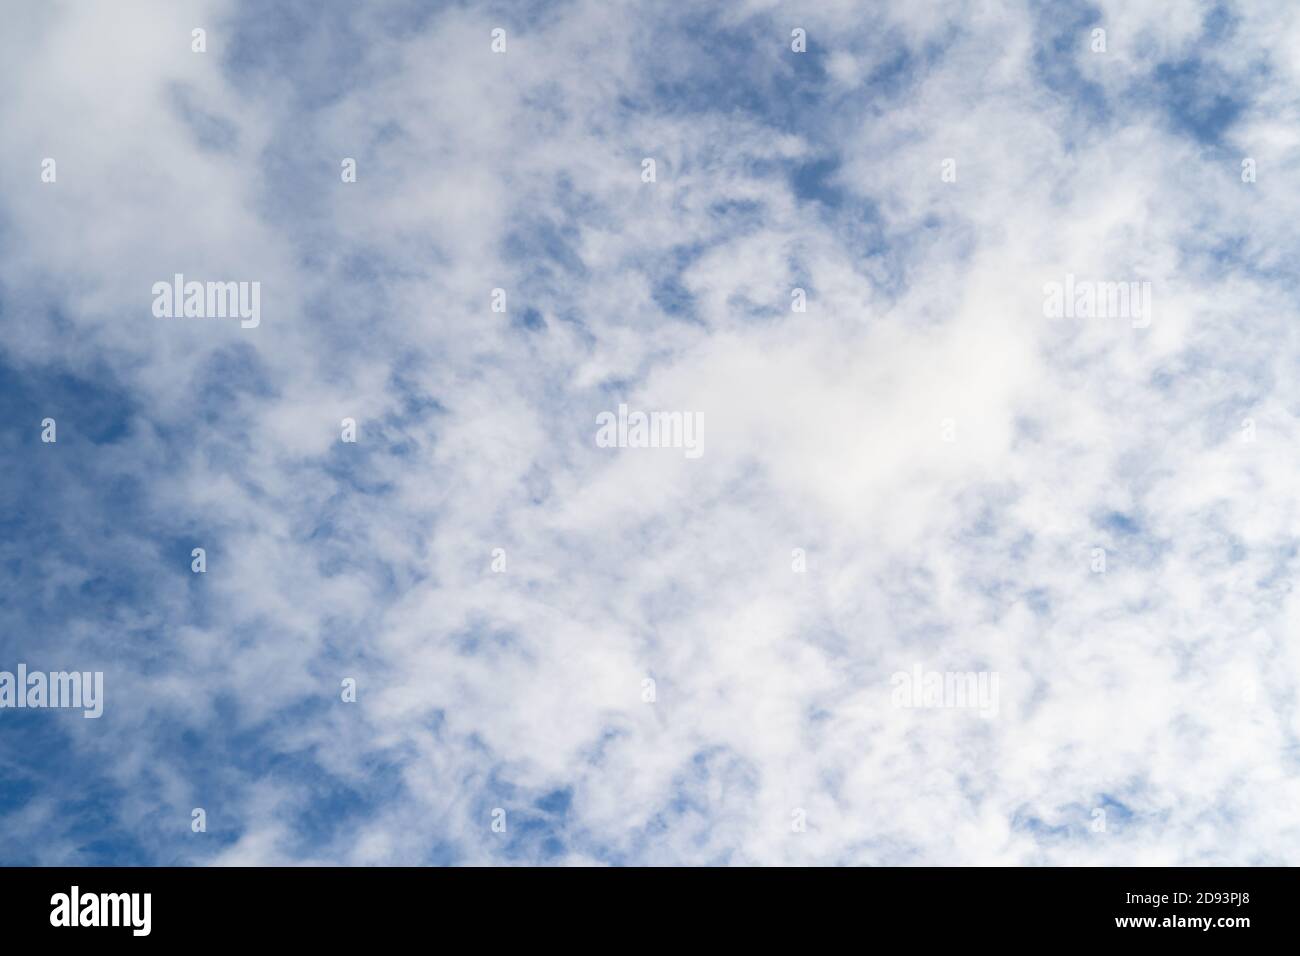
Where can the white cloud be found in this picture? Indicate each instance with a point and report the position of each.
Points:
(824, 432)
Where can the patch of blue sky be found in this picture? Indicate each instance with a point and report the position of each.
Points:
(704, 65)
(1200, 99)
(1074, 822)
(1064, 28)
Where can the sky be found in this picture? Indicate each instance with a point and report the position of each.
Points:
(566, 653)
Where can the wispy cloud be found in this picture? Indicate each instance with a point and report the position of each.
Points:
(564, 652)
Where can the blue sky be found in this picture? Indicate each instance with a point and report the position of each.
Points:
(946, 457)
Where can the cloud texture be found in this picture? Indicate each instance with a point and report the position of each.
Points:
(947, 458)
